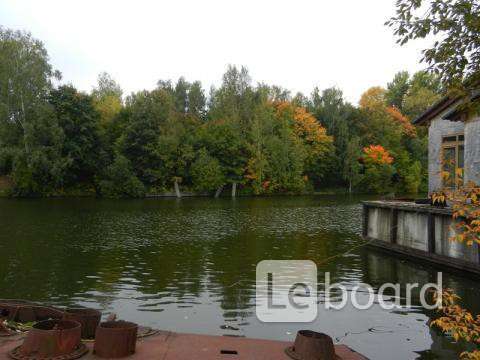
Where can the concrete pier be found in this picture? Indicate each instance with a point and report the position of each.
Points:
(420, 231)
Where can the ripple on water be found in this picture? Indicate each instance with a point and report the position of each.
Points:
(189, 265)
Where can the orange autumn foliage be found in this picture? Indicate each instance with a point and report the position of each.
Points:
(407, 126)
(308, 128)
(377, 154)
(457, 322)
(373, 99)
(281, 106)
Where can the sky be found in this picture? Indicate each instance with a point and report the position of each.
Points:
(297, 44)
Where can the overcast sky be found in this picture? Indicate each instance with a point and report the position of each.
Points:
(298, 44)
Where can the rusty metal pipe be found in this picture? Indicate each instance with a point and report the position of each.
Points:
(311, 345)
(115, 339)
(51, 338)
(88, 319)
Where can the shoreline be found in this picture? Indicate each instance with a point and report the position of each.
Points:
(187, 194)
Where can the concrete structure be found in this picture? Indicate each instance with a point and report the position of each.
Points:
(424, 231)
(452, 136)
(421, 231)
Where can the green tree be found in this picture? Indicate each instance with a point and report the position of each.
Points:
(455, 55)
(181, 95)
(235, 100)
(207, 173)
(351, 166)
(107, 96)
(119, 180)
(145, 113)
(341, 121)
(224, 142)
(196, 101)
(379, 127)
(41, 170)
(176, 144)
(397, 89)
(31, 138)
(79, 121)
(425, 89)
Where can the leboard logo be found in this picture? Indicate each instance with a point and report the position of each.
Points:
(286, 291)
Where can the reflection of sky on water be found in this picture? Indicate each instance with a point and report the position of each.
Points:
(189, 265)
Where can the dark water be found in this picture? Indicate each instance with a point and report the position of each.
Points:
(189, 265)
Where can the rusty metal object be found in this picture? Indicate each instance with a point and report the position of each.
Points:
(47, 312)
(115, 339)
(88, 319)
(311, 345)
(28, 313)
(51, 339)
(25, 311)
(9, 308)
(17, 312)
(17, 354)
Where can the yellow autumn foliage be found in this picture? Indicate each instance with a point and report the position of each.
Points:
(307, 128)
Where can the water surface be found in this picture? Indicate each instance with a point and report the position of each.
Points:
(189, 265)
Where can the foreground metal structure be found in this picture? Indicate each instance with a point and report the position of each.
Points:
(173, 346)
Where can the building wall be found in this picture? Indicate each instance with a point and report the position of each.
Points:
(472, 150)
(438, 129)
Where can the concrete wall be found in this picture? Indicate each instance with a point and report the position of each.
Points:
(379, 224)
(472, 150)
(444, 231)
(412, 232)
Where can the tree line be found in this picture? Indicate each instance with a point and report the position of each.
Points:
(262, 139)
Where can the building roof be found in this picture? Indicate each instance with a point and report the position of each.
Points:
(455, 114)
(434, 110)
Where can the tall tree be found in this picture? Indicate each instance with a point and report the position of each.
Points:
(31, 138)
(25, 78)
(379, 128)
(223, 141)
(351, 165)
(41, 169)
(79, 121)
(145, 112)
(234, 100)
(196, 100)
(107, 96)
(338, 117)
(397, 89)
(181, 95)
(425, 89)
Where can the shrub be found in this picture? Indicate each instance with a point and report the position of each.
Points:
(207, 174)
(119, 180)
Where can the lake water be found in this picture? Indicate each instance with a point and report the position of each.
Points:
(189, 265)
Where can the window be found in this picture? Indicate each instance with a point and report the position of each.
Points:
(452, 159)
